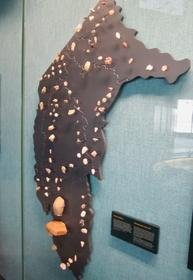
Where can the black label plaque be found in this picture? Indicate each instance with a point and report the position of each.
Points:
(190, 256)
(136, 232)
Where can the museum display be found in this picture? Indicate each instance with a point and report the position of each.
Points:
(75, 93)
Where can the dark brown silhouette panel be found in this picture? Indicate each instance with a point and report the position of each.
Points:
(76, 92)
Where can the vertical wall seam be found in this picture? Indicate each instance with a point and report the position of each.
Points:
(22, 135)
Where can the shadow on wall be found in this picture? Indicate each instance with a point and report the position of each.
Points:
(6, 6)
(133, 251)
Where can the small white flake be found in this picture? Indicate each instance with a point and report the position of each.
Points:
(63, 169)
(48, 170)
(85, 161)
(73, 46)
(54, 247)
(109, 95)
(94, 154)
(96, 129)
(78, 155)
(118, 35)
(63, 266)
(51, 127)
(149, 67)
(83, 214)
(56, 87)
(164, 68)
(111, 12)
(100, 57)
(102, 109)
(95, 40)
(78, 28)
(52, 137)
(108, 60)
(84, 230)
(62, 57)
(93, 171)
(84, 150)
(44, 90)
(125, 45)
(71, 112)
(91, 18)
(87, 66)
(41, 106)
(130, 61)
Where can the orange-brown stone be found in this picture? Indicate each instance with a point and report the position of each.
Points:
(56, 228)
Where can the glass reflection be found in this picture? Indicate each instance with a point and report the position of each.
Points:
(184, 116)
(177, 126)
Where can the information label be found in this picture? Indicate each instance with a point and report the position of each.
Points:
(137, 232)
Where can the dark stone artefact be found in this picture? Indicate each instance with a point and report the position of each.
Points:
(76, 92)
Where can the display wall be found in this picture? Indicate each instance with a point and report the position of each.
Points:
(10, 139)
(148, 168)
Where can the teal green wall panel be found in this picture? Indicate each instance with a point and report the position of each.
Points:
(10, 138)
(147, 133)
